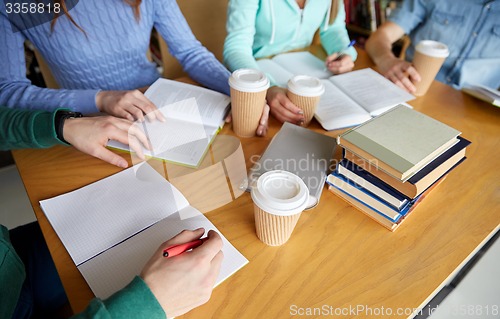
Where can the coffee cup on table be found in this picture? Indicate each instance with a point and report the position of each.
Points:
(428, 59)
(279, 198)
(305, 92)
(248, 97)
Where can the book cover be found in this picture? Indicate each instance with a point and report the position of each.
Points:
(425, 177)
(400, 141)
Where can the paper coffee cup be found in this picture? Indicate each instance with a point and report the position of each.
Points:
(305, 91)
(428, 59)
(279, 199)
(248, 95)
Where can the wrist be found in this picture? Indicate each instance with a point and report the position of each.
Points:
(61, 121)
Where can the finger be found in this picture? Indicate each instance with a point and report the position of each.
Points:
(136, 146)
(265, 115)
(184, 236)
(403, 79)
(229, 118)
(136, 112)
(106, 155)
(210, 247)
(135, 131)
(396, 81)
(331, 58)
(287, 104)
(287, 116)
(413, 73)
(146, 106)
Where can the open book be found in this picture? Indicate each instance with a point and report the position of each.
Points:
(483, 93)
(283, 66)
(112, 227)
(355, 97)
(194, 115)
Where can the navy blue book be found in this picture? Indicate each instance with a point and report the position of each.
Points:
(371, 183)
(367, 198)
(423, 179)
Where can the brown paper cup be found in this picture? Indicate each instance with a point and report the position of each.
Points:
(305, 91)
(279, 198)
(428, 59)
(307, 104)
(246, 108)
(274, 230)
(427, 67)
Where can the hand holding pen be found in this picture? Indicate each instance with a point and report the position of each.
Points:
(184, 279)
(340, 62)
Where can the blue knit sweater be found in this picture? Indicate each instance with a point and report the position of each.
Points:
(110, 55)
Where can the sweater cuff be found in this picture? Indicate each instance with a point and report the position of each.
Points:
(134, 301)
(44, 131)
(84, 101)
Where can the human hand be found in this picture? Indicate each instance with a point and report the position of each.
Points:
(263, 123)
(184, 282)
(339, 63)
(402, 73)
(282, 108)
(127, 104)
(91, 135)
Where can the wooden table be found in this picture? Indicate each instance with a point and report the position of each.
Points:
(337, 257)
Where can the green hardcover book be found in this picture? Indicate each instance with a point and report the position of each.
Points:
(400, 141)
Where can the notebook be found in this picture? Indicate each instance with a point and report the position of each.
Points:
(112, 227)
(484, 93)
(194, 115)
(300, 151)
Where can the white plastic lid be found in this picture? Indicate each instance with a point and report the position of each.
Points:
(280, 193)
(249, 80)
(306, 85)
(433, 48)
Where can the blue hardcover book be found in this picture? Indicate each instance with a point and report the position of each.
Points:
(373, 184)
(367, 198)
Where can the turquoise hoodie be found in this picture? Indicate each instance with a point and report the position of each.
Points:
(262, 28)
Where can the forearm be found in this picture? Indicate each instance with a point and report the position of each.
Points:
(335, 38)
(134, 301)
(379, 44)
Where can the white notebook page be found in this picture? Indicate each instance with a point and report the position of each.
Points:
(96, 217)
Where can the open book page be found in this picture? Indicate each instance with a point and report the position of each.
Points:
(279, 75)
(131, 255)
(303, 63)
(283, 66)
(337, 110)
(372, 91)
(193, 115)
(98, 216)
(212, 106)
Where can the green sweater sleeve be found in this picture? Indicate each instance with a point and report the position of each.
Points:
(335, 38)
(135, 301)
(27, 129)
(12, 275)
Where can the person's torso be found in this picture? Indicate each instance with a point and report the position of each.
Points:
(111, 52)
(471, 30)
(282, 26)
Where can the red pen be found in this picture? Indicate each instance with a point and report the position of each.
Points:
(179, 249)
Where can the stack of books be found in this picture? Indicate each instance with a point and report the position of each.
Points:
(393, 161)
